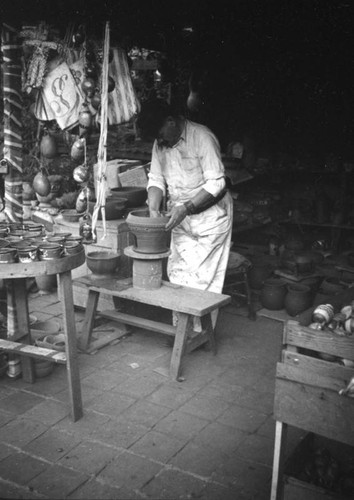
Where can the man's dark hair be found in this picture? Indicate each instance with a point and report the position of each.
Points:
(152, 117)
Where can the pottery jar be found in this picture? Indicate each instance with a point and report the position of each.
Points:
(8, 255)
(258, 273)
(331, 286)
(149, 232)
(27, 254)
(50, 251)
(297, 299)
(273, 294)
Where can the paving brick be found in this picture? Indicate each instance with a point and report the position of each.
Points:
(48, 386)
(129, 470)
(95, 489)
(48, 412)
(219, 437)
(57, 482)
(5, 417)
(213, 491)
(104, 379)
(257, 446)
(204, 407)
(111, 403)
(84, 427)
(256, 400)
(181, 425)
(20, 468)
(157, 446)
(9, 490)
(89, 457)
(216, 391)
(88, 394)
(21, 431)
(140, 386)
(173, 485)
(241, 418)
(19, 402)
(171, 396)
(197, 460)
(145, 413)
(119, 432)
(52, 445)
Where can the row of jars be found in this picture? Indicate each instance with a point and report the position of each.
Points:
(30, 243)
(277, 294)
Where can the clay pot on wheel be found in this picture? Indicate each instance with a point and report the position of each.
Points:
(298, 299)
(149, 232)
(273, 294)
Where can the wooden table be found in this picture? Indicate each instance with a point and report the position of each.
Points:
(185, 301)
(18, 325)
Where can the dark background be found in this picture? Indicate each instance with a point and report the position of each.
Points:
(279, 72)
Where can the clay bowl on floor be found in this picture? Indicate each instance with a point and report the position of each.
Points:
(71, 215)
(103, 262)
(149, 232)
(114, 208)
(135, 196)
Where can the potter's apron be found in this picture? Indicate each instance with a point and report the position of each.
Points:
(200, 248)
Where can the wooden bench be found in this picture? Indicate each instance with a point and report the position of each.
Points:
(307, 392)
(184, 301)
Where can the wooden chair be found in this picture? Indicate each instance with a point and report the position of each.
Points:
(307, 390)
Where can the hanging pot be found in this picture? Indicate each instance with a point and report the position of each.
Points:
(298, 298)
(41, 184)
(90, 71)
(48, 146)
(85, 120)
(81, 173)
(96, 100)
(78, 149)
(88, 86)
(111, 84)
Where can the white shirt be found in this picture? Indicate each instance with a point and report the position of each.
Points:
(190, 165)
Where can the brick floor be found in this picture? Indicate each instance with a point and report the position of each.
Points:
(143, 435)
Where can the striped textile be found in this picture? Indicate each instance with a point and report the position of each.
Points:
(123, 103)
(11, 49)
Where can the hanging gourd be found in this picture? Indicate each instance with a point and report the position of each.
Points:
(90, 71)
(95, 100)
(79, 36)
(78, 149)
(48, 146)
(88, 86)
(41, 183)
(85, 119)
(111, 84)
(81, 202)
(81, 174)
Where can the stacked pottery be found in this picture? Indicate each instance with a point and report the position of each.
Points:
(273, 294)
(298, 299)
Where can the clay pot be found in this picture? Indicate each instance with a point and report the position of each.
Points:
(8, 255)
(43, 367)
(103, 262)
(50, 251)
(48, 146)
(135, 196)
(28, 254)
(273, 294)
(149, 232)
(78, 149)
(88, 86)
(259, 272)
(331, 286)
(114, 208)
(298, 298)
(41, 184)
(47, 282)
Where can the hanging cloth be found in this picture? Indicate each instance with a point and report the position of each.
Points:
(123, 103)
(102, 145)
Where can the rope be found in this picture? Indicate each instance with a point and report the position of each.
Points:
(101, 185)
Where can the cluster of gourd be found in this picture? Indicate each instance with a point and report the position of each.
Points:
(90, 86)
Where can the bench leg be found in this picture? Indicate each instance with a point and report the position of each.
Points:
(88, 324)
(179, 345)
(72, 362)
(207, 326)
(278, 460)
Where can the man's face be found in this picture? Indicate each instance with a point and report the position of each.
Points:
(169, 133)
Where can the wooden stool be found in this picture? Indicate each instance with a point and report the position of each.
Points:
(185, 301)
(237, 277)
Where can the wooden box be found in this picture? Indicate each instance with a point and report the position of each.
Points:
(302, 480)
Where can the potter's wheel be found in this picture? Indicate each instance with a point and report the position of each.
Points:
(132, 252)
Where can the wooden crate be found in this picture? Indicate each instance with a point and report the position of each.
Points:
(299, 484)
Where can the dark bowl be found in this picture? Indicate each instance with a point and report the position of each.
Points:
(114, 208)
(135, 196)
(103, 262)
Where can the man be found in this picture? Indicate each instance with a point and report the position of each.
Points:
(186, 169)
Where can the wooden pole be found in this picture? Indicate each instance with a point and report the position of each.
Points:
(11, 49)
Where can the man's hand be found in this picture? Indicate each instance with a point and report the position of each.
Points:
(177, 215)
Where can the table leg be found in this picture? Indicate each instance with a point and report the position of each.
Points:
(23, 332)
(179, 345)
(72, 362)
(207, 326)
(88, 324)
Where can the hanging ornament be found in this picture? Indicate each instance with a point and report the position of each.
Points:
(85, 120)
(111, 84)
(81, 173)
(90, 71)
(81, 201)
(78, 149)
(41, 183)
(90, 55)
(88, 86)
(96, 100)
(48, 147)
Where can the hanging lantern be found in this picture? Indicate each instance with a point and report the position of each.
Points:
(88, 86)
(111, 84)
(48, 146)
(78, 149)
(85, 120)
(41, 184)
(81, 173)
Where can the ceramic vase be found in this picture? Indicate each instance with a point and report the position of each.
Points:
(273, 294)
(297, 299)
